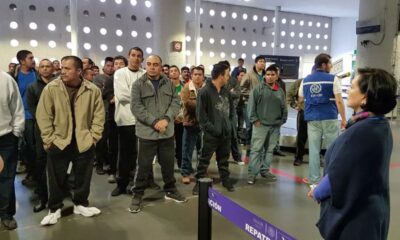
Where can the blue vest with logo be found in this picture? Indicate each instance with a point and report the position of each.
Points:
(319, 99)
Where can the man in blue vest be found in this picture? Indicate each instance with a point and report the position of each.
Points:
(321, 93)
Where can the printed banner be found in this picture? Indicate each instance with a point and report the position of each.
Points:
(252, 224)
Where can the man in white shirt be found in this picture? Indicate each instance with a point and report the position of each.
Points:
(12, 123)
(123, 81)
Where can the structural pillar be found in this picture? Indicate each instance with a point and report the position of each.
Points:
(169, 26)
(73, 12)
(277, 29)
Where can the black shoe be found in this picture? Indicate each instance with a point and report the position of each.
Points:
(297, 162)
(176, 196)
(228, 185)
(100, 170)
(279, 153)
(41, 206)
(118, 191)
(154, 186)
(9, 223)
(195, 190)
(136, 204)
(269, 176)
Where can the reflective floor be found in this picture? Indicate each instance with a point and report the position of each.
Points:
(283, 203)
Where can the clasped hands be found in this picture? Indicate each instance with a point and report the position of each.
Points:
(161, 126)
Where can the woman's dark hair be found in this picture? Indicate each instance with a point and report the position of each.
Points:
(380, 88)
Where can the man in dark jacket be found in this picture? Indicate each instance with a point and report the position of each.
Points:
(215, 114)
(33, 96)
(268, 113)
(155, 105)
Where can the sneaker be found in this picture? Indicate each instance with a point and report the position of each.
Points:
(306, 181)
(136, 204)
(297, 162)
(111, 179)
(312, 186)
(195, 190)
(118, 191)
(176, 196)
(279, 153)
(186, 180)
(100, 170)
(9, 223)
(269, 176)
(251, 180)
(86, 211)
(154, 186)
(239, 162)
(51, 218)
(228, 185)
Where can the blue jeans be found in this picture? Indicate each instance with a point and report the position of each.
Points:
(318, 131)
(189, 140)
(263, 140)
(9, 153)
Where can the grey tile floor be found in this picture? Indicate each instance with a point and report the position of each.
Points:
(283, 203)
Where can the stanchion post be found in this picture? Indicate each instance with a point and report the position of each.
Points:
(204, 214)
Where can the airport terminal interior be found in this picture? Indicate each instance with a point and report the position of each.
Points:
(188, 33)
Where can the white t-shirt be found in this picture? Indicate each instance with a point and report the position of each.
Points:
(337, 87)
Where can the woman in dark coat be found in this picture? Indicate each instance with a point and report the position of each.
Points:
(354, 192)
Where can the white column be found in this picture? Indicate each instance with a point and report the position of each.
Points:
(277, 29)
(197, 31)
(169, 25)
(73, 12)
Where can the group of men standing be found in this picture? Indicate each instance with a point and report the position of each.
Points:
(136, 113)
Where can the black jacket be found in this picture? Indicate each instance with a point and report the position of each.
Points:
(33, 95)
(215, 111)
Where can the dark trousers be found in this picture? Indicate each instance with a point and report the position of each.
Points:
(28, 147)
(102, 148)
(164, 149)
(128, 154)
(178, 143)
(234, 143)
(9, 153)
(190, 138)
(240, 118)
(57, 167)
(221, 147)
(112, 145)
(301, 138)
(40, 168)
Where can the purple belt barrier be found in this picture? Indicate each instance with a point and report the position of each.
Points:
(252, 224)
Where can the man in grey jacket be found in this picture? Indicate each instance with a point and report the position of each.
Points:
(268, 113)
(155, 105)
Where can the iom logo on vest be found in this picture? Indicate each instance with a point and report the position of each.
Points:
(315, 90)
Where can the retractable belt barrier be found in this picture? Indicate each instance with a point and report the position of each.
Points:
(249, 222)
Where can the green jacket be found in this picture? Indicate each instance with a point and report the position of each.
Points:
(292, 96)
(149, 106)
(268, 105)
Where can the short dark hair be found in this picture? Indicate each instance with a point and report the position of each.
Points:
(241, 59)
(136, 49)
(168, 66)
(272, 68)
(119, 57)
(77, 61)
(259, 57)
(184, 68)
(321, 59)
(198, 68)
(380, 87)
(226, 62)
(173, 66)
(95, 67)
(218, 70)
(240, 71)
(90, 61)
(22, 54)
(109, 59)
